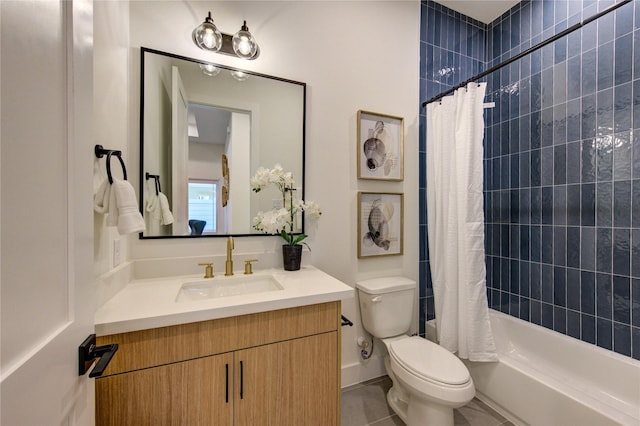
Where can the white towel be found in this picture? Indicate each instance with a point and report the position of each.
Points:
(101, 197)
(167, 216)
(158, 206)
(152, 204)
(123, 208)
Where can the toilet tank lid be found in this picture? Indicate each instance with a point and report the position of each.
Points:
(385, 284)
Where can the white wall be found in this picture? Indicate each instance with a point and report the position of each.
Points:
(111, 113)
(352, 55)
(205, 160)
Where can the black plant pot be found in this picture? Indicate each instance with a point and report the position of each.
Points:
(291, 256)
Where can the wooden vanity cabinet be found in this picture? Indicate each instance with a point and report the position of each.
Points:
(184, 393)
(288, 383)
(273, 368)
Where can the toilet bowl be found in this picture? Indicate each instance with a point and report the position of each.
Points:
(428, 381)
(434, 380)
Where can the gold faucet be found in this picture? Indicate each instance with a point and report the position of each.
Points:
(228, 266)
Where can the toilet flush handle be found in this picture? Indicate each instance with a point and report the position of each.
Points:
(376, 299)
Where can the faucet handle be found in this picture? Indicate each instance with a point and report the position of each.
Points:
(247, 266)
(208, 270)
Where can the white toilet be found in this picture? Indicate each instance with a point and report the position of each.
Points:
(428, 381)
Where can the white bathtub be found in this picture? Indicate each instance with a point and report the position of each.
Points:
(548, 379)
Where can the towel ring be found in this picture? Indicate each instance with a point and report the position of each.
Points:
(124, 169)
(100, 152)
(157, 181)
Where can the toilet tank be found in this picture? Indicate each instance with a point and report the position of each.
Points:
(386, 305)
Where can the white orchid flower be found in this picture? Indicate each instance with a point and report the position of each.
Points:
(281, 221)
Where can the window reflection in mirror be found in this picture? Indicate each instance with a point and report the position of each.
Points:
(203, 206)
(193, 120)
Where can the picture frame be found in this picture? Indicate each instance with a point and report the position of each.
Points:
(380, 146)
(380, 224)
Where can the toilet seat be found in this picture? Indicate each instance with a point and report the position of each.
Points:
(429, 361)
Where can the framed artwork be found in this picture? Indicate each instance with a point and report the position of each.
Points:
(380, 146)
(380, 224)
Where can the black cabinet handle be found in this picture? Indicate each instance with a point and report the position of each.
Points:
(241, 381)
(88, 352)
(226, 386)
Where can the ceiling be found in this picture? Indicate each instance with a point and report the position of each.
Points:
(211, 123)
(485, 11)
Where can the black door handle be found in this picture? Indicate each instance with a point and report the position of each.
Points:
(88, 352)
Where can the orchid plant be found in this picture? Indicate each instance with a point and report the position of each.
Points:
(281, 220)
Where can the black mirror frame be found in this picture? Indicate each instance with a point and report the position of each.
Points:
(144, 50)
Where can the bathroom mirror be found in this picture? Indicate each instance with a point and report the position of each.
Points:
(204, 131)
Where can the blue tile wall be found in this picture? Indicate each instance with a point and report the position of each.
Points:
(561, 164)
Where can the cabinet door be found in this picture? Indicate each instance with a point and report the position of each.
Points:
(289, 383)
(196, 392)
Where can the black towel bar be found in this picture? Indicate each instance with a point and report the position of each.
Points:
(100, 152)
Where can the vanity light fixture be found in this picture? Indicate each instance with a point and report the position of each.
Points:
(241, 45)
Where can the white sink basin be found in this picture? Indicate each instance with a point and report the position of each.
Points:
(227, 286)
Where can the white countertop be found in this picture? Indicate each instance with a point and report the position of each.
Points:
(151, 303)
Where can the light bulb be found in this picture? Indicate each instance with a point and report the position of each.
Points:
(239, 75)
(210, 69)
(244, 44)
(206, 36)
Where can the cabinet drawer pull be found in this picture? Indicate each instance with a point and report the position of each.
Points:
(226, 383)
(241, 381)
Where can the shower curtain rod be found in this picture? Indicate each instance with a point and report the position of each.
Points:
(528, 51)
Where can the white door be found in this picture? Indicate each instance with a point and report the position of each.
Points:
(46, 219)
(179, 154)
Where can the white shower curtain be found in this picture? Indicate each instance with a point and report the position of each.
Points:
(455, 218)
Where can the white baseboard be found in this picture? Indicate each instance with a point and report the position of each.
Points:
(359, 372)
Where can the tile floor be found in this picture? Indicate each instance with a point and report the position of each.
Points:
(365, 404)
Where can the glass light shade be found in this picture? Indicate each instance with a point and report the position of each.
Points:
(239, 75)
(209, 69)
(244, 44)
(207, 36)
